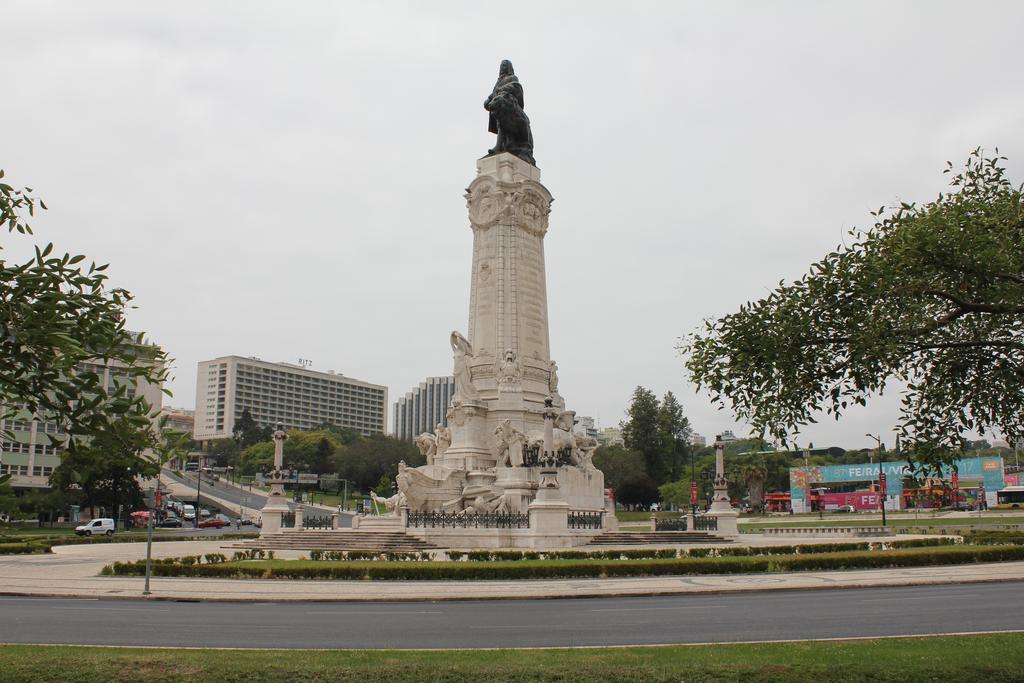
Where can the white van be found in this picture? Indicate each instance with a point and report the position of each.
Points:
(188, 511)
(101, 525)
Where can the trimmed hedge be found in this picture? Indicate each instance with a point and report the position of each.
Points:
(986, 537)
(29, 544)
(519, 569)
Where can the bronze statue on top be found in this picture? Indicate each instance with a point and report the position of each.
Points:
(507, 119)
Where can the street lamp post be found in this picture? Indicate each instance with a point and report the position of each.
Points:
(199, 486)
(881, 475)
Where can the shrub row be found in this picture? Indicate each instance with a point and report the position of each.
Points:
(987, 537)
(912, 557)
(343, 555)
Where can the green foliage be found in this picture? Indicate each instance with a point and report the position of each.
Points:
(58, 313)
(103, 471)
(618, 465)
(676, 493)
(247, 432)
(932, 296)
(729, 561)
(674, 433)
(365, 461)
(641, 433)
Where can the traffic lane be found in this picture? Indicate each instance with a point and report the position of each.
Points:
(783, 615)
(254, 501)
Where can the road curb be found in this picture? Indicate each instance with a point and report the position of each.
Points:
(492, 598)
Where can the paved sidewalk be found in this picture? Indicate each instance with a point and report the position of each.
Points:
(72, 572)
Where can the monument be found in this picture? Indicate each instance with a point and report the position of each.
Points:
(277, 502)
(509, 448)
(721, 507)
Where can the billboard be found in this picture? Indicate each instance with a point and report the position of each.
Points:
(987, 470)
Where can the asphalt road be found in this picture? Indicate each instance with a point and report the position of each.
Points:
(253, 499)
(776, 615)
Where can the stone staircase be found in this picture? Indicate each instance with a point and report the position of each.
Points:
(339, 539)
(656, 538)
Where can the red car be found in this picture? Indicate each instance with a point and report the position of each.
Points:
(214, 522)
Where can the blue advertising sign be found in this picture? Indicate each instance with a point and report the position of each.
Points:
(988, 470)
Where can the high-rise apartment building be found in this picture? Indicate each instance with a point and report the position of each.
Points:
(423, 408)
(282, 393)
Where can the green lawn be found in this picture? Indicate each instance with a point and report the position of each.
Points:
(990, 658)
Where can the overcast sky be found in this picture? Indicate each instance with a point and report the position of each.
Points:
(285, 180)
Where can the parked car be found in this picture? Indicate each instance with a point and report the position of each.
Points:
(171, 523)
(101, 525)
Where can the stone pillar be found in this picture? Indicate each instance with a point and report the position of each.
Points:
(691, 523)
(654, 521)
(549, 513)
(277, 502)
(300, 512)
(334, 520)
(721, 507)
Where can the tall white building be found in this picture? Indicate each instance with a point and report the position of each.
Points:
(282, 393)
(423, 408)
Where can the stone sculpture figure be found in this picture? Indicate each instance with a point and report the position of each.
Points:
(553, 378)
(462, 352)
(509, 370)
(508, 444)
(427, 443)
(393, 504)
(507, 118)
(584, 454)
(442, 440)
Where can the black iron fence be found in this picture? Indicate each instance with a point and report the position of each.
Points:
(670, 524)
(531, 456)
(322, 522)
(456, 520)
(288, 520)
(705, 523)
(582, 519)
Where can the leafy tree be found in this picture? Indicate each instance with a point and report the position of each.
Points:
(676, 493)
(618, 465)
(56, 314)
(248, 432)
(641, 433)
(639, 490)
(932, 296)
(365, 461)
(105, 469)
(383, 487)
(753, 474)
(224, 451)
(257, 458)
(674, 433)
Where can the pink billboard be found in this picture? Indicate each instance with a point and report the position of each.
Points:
(861, 500)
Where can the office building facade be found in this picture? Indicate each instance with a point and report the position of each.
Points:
(283, 393)
(423, 408)
(31, 447)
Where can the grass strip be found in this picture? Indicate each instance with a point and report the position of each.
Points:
(995, 658)
(565, 569)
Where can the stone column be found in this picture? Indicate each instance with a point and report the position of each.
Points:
(300, 512)
(334, 520)
(549, 513)
(721, 507)
(277, 502)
